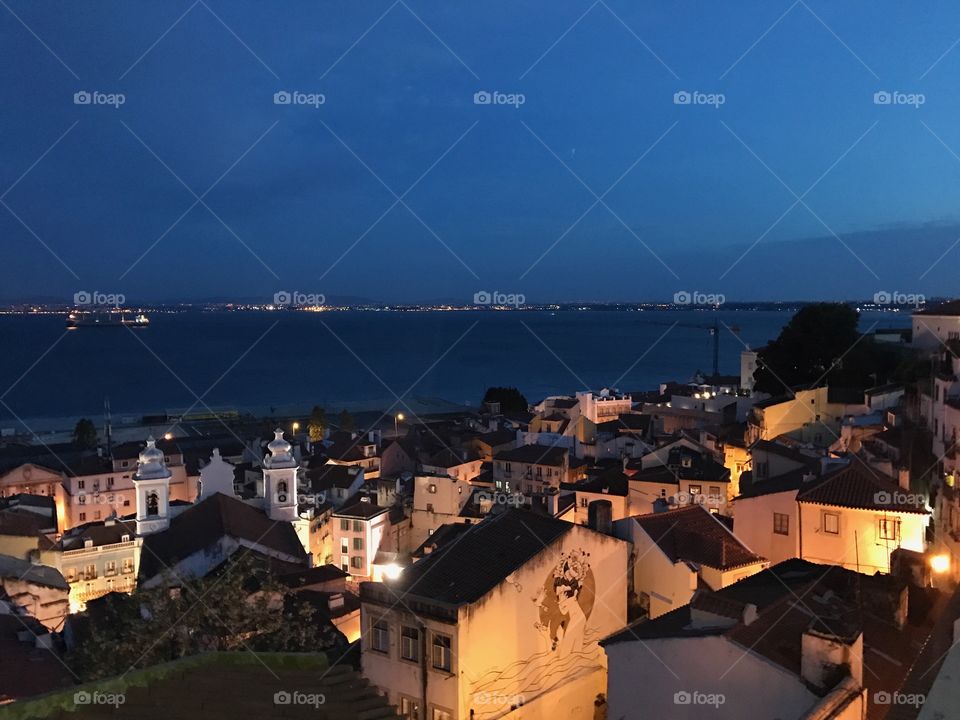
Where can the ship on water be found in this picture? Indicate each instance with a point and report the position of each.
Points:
(107, 318)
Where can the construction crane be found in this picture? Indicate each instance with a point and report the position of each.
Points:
(714, 329)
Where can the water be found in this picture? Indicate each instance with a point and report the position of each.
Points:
(289, 361)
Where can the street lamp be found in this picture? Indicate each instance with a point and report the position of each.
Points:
(940, 563)
(296, 426)
(397, 419)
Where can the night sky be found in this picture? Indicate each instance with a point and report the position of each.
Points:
(400, 187)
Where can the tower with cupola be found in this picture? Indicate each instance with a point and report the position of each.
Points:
(152, 483)
(280, 479)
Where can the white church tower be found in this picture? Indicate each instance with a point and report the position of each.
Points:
(280, 479)
(152, 483)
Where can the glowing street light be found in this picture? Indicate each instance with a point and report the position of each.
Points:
(392, 571)
(940, 563)
(296, 426)
(168, 436)
(397, 419)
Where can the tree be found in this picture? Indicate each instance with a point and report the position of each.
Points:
(85, 434)
(822, 344)
(346, 421)
(510, 399)
(240, 608)
(318, 424)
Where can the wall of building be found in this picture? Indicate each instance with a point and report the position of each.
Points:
(754, 524)
(857, 545)
(672, 670)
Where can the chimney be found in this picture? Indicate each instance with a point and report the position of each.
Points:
(600, 516)
(904, 478)
(550, 499)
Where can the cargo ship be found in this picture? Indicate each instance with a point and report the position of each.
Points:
(110, 318)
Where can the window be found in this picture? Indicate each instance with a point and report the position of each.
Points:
(356, 562)
(831, 523)
(410, 643)
(282, 491)
(409, 709)
(760, 470)
(81, 484)
(584, 502)
(695, 489)
(90, 572)
(153, 504)
(127, 566)
(430, 507)
(96, 515)
(380, 636)
(432, 488)
(345, 524)
(345, 563)
(82, 499)
(71, 575)
(889, 529)
(663, 492)
(441, 652)
(781, 523)
(344, 545)
(357, 526)
(83, 517)
(714, 489)
(126, 503)
(358, 543)
(110, 567)
(439, 714)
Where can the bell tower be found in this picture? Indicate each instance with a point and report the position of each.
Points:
(152, 483)
(280, 479)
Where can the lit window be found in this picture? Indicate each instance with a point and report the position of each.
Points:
(889, 529)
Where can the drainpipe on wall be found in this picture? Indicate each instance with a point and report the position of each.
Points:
(423, 671)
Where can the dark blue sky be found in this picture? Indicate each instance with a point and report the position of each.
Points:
(297, 189)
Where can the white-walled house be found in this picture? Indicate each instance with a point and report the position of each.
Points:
(754, 650)
(501, 621)
(358, 530)
(852, 515)
(678, 551)
(39, 591)
(932, 327)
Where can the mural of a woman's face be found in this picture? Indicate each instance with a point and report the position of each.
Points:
(566, 598)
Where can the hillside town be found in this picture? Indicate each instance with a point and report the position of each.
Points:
(725, 546)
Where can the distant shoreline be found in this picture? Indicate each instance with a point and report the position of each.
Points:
(27, 309)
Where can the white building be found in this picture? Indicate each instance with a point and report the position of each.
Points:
(932, 327)
(501, 621)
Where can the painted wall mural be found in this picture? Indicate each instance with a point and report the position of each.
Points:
(560, 612)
